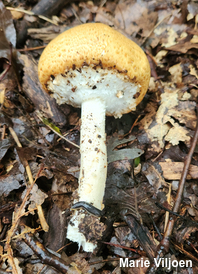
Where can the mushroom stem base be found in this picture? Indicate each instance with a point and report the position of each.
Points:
(93, 169)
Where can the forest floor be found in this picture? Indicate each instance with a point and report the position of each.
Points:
(39, 145)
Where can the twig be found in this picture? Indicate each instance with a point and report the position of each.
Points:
(123, 21)
(133, 125)
(14, 226)
(165, 243)
(32, 14)
(167, 213)
(19, 214)
(123, 247)
(75, 13)
(3, 132)
(8, 65)
(175, 214)
(181, 188)
(45, 256)
(11, 259)
(142, 234)
(195, 249)
(155, 226)
(60, 135)
(43, 222)
(29, 49)
(186, 253)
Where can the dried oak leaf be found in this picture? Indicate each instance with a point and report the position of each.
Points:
(165, 124)
(135, 16)
(153, 175)
(173, 170)
(183, 47)
(7, 30)
(26, 154)
(13, 180)
(5, 144)
(185, 233)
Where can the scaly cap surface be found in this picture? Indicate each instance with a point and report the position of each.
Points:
(98, 46)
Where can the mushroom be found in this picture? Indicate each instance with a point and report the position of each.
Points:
(94, 67)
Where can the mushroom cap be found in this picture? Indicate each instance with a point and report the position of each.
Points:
(99, 48)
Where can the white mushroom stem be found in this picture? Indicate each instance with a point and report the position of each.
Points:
(93, 169)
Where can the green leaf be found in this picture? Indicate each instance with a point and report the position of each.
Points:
(51, 125)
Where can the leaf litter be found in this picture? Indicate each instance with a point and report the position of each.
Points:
(40, 178)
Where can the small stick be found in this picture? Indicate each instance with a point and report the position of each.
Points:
(32, 14)
(187, 162)
(29, 49)
(60, 135)
(43, 222)
(167, 213)
(165, 243)
(45, 256)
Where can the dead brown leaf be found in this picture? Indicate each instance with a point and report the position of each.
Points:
(173, 170)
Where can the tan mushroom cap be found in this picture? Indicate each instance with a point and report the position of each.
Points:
(95, 44)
